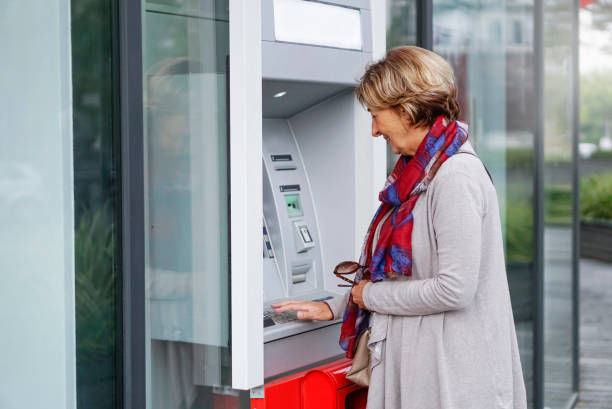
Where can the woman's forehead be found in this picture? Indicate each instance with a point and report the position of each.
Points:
(378, 111)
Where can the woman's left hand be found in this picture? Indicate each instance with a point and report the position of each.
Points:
(357, 293)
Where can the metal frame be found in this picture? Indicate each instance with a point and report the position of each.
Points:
(576, 196)
(538, 194)
(117, 155)
(424, 23)
(539, 349)
(132, 193)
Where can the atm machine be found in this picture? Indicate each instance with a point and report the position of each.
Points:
(313, 133)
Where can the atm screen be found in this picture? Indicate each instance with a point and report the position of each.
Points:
(294, 208)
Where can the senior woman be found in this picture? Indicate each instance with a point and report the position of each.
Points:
(434, 290)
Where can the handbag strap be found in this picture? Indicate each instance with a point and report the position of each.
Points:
(485, 167)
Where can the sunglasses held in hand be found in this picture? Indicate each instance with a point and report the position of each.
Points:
(346, 268)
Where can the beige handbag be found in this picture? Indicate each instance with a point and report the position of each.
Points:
(360, 370)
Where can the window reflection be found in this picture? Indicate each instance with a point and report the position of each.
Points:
(186, 45)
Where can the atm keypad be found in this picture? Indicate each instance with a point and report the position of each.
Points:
(272, 317)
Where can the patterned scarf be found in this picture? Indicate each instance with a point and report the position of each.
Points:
(392, 256)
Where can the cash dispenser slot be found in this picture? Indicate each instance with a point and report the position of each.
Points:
(299, 278)
(299, 273)
(285, 167)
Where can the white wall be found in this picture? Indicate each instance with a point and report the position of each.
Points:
(36, 207)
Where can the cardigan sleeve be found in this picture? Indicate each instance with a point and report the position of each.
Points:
(337, 305)
(457, 213)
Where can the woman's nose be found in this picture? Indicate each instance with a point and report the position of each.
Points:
(375, 130)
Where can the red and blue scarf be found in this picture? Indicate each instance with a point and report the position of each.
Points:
(392, 256)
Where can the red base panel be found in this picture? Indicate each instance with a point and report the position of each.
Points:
(323, 387)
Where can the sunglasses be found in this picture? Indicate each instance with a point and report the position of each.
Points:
(346, 268)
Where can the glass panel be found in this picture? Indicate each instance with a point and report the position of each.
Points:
(186, 46)
(401, 30)
(558, 105)
(36, 209)
(595, 162)
(595, 146)
(401, 23)
(96, 209)
(489, 45)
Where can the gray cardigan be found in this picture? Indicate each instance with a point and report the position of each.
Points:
(445, 337)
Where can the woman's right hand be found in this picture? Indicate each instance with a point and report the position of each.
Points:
(306, 310)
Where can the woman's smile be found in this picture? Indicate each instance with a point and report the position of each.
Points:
(391, 124)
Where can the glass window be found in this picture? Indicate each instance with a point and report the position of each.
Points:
(401, 23)
(558, 191)
(401, 30)
(97, 205)
(517, 32)
(496, 93)
(495, 32)
(186, 48)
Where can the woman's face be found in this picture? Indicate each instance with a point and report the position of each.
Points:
(403, 138)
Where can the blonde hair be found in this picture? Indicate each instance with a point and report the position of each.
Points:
(417, 80)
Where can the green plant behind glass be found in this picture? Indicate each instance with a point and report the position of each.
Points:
(558, 204)
(519, 232)
(596, 197)
(95, 287)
